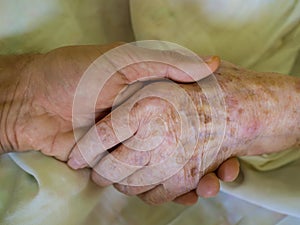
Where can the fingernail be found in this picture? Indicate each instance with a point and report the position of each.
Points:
(73, 163)
(212, 59)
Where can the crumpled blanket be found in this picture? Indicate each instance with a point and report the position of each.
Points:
(264, 35)
(31, 195)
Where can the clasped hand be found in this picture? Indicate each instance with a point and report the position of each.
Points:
(42, 120)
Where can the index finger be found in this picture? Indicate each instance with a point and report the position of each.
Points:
(102, 137)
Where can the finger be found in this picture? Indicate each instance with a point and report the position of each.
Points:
(156, 196)
(146, 60)
(106, 134)
(137, 180)
(126, 80)
(172, 66)
(60, 148)
(100, 180)
(125, 93)
(229, 170)
(187, 199)
(209, 186)
(118, 165)
(180, 183)
(133, 190)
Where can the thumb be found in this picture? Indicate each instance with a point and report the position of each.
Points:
(136, 63)
(127, 64)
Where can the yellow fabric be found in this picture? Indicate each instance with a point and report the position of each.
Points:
(260, 35)
(276, 189)
(39, 26)
(54, 199)
(272, 161)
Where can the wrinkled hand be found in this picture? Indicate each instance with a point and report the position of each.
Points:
(167, 136)
(42, 108)
(48, 124)
(157, 147)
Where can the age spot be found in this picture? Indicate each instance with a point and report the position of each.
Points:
(241, 110)
(207, 119)
(194, 171)
(297, 86)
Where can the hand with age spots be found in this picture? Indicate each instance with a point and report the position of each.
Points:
(160, 122)
(37, 93)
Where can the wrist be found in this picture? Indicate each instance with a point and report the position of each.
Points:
(15, 95)
(263, 111)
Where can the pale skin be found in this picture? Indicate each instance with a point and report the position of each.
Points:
(36, 99)
(262, 116)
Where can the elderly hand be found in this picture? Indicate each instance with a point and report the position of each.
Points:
(37, 93)
(165, 137)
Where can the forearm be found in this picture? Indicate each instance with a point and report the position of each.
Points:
(263, 111)
(14, 93)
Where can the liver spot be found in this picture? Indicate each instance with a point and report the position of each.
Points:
(297, 86)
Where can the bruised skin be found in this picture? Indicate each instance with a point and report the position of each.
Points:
(263, 116)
